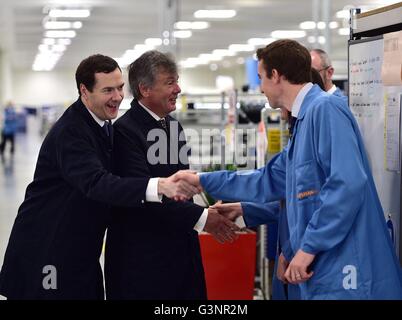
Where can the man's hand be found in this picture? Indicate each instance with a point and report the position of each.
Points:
(297, 270)
(229, 210)
(282, 266)
(221, 228)
(181, 186)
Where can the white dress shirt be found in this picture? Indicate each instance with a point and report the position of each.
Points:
(152, 190)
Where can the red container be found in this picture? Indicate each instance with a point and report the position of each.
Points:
(229, 267)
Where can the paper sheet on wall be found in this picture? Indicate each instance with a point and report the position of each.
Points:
(392, 133)
(391, 71)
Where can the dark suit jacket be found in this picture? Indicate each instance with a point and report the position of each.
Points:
(152, 252)
(65, 213)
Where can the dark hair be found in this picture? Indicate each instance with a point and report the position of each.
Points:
(146, 67)
(86, 70)
(316, 78)
(289, 58)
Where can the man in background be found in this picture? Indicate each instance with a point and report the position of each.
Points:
(9, 129)
(322, 63)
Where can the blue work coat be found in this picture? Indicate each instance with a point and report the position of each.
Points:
(256, 214)
(333, 209)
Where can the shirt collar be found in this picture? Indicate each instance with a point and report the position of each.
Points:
(153, 114)
(332, 90)
(299, 98)
(98, 121)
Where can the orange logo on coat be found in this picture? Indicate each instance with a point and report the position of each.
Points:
(306, 194)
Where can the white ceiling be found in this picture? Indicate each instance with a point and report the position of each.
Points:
(117, 25)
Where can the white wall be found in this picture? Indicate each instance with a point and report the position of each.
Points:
(40, 88)
(202, 79)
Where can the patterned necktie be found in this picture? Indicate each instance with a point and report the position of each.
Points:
(162, 122)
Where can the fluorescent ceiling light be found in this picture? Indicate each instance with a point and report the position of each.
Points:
(199, 25)
(185, 64)
(69, 13)
(321, 25)
(344, 31)
(241, 47)
(59, 48)
(49, 41)
(219, 14)
(307, 25)
(321, 40)
(62, 25)
(291, 34)
(186, 25)
(66, 42)
(209, 57)
(333, 25)
(343, 14)
(182, 34)
(260, 41)
(143, 47)
(223, 52)
(57, 25)
(77, 25)
(153, 42)
(311, 39)
(60, 34)
(182, 25)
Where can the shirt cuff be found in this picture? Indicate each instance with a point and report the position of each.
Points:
(200, 225)
(151, 194)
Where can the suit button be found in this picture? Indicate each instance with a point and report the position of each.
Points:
(142, 201)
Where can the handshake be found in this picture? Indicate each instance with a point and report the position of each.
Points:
(183, 185)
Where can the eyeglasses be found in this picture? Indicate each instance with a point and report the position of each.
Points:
(325, 68)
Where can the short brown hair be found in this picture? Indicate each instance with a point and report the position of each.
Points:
(289, 58)
(86, 70)
(145, 69)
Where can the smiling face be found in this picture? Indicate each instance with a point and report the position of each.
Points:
(107, 94)
(269, 86)
(162, 95)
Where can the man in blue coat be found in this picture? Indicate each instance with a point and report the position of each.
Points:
(336, 223)
(9, 129)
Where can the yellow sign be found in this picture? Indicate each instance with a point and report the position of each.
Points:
(274, 140)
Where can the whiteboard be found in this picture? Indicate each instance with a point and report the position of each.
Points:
(367, 100)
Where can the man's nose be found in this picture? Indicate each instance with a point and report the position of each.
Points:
(177, 89)
(118, 94)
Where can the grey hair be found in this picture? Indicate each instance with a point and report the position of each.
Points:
(144, 70)
(325, 60)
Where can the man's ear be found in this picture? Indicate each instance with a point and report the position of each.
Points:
(144, 90)
(330, 71)
(275, 76)
(83, 90)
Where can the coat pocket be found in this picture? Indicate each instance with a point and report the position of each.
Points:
(307, 182)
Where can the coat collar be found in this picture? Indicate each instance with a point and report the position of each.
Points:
(313, 94)
(82, 110)
(139, 113)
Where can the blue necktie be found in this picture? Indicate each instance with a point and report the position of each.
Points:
(106, 128)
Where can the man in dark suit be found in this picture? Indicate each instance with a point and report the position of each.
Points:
(155, 253)
(56, 240)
